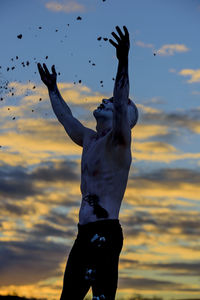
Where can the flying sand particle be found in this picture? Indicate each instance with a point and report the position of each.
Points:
(19, 36)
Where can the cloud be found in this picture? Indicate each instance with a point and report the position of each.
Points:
(168, 183)
(195, 93)
(143, 283)
(146, 131)
(27, 262)
(170, 49)
(171, 269)
(144, 45)
(18, 183)
(165, 50)
(188, 119)
(194, 74)
(69, 7)
(172, 70)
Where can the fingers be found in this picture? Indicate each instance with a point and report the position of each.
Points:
(53, 70)
(46, 70)
(113, 43)
(115, 36)
(126, 31)
(41, 71)
(120, 34)
(119, 31)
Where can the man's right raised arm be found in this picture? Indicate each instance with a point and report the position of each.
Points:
(73, 127)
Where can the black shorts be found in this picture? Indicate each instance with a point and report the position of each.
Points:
(93, 261)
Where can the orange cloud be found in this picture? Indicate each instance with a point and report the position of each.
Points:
(170, 49)
(69, 7)
(194, 74)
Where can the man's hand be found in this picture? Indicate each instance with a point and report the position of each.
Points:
(48, 79)
(123, 46)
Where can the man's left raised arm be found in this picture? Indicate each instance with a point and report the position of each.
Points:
(121, 127)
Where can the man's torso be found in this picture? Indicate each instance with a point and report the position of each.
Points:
(104, 172)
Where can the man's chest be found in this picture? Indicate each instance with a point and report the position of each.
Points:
(100, 157)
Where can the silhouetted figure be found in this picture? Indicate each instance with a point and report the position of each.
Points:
(106, 159)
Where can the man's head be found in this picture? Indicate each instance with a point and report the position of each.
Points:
(133, 113)
(105, 111)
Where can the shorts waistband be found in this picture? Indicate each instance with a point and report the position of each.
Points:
(99, 224)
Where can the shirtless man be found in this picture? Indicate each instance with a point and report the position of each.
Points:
(106, 160)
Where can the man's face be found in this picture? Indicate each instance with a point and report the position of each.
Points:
(105, 108)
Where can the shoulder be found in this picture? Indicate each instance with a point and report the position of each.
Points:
(88, 137)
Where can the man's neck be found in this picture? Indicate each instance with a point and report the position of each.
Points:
(102, 132)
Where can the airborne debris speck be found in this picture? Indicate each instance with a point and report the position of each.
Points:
(46, 57)
(19, 36)
(99, 38)
(79, 18)
(105, 39)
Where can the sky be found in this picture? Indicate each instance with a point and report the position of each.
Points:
(40, 166)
